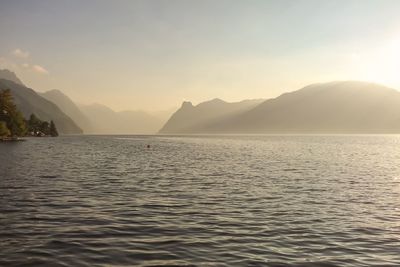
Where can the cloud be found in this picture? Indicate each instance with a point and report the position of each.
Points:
(39, 69)
(7, 64)
(20, 53)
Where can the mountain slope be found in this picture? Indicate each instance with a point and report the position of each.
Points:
(28, 101)
(336, 107)
(9, 75)
(69, 108)
(106, 121)
(197, 119)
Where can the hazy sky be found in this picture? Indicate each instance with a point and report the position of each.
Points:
(154, 54)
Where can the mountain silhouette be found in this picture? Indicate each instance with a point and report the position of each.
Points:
(69, 108)
(29, 102)
(197, 119)
(11, 76)
(107, 121)
(335, 107)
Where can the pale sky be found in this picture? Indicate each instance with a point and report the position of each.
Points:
(153, 55)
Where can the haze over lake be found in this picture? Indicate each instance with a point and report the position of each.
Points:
(200, 133)
(201, 200)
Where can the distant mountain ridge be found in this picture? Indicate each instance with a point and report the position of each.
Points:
(29, 102)
(107, 121)
(73, 119)
(336, 107)
(11, 76)
(100, 119)
(69, 108)
(195, 119)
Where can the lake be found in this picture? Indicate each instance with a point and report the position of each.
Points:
(200, 201)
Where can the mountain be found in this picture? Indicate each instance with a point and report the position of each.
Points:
(69, 108)
(99, 119)
(9, 75)
(198, 119)
(336, 107)
(29, 102)
(106, 121)
(163, 115)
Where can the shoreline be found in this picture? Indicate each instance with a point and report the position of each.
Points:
(12, 139)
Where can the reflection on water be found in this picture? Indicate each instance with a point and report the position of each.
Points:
(204, 201)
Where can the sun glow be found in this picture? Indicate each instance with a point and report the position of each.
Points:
(382, 64)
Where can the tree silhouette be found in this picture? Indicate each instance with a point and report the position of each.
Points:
(4, 131)
(13, 123)
(53, 129)
(11, 115)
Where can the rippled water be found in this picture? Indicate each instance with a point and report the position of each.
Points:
(201, 201)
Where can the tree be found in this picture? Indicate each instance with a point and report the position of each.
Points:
(38, 127)
(5, 99)
(53, 129)
(34, 125)
(13, 123)
(4, 131)
(10, 114)
(33, 122)
(45, 128)
(17, 125)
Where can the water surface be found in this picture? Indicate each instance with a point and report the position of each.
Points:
(200, 201)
